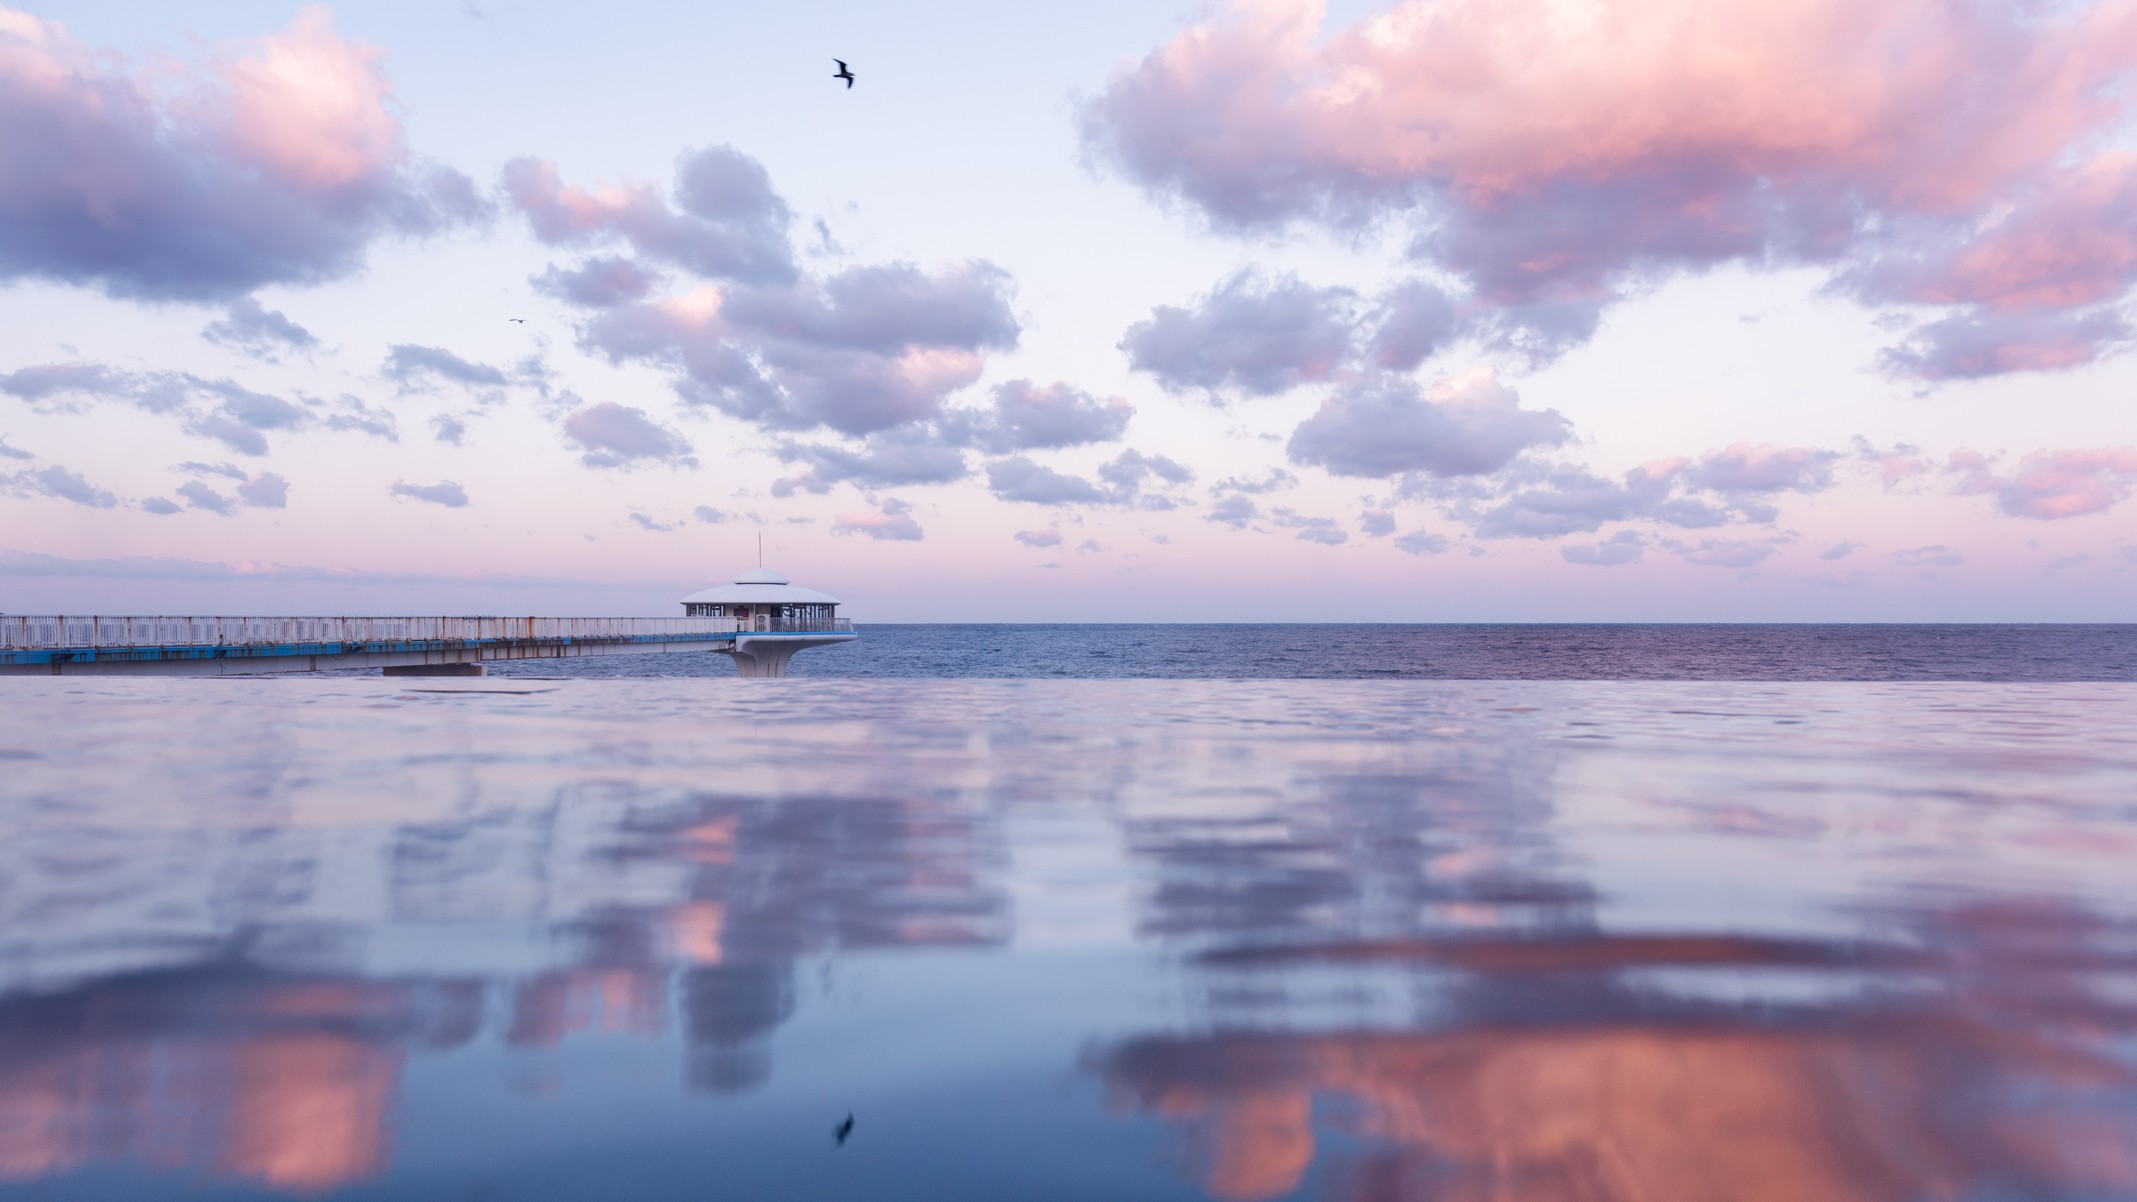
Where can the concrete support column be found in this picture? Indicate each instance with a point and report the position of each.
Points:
(762, 657)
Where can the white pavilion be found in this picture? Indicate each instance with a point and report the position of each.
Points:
(773, 619)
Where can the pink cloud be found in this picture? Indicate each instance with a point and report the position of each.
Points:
(727, 222)
(560, 212)
(1973, 343)
(747, 370)
(613, 435)
(1726, 552)
(1745, 468)
(891, 520)
(1897, 465)
(1553, 154)
(860, 350)
(2071, 241)
(275, 162)
(309, 107)
(2050, 484)
(1466, 425)
(863, 350)
(1534, 498)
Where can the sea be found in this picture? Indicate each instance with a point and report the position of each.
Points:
(1355, 913)
(1433, 652)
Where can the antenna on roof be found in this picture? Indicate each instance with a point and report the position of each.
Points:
(760, 548)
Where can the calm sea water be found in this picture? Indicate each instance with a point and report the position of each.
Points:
(1153, 939)
(1266, 652)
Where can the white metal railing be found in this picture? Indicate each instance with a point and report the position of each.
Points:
(771, 624)
(27, 633)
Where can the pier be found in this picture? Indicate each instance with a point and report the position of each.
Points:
(759, 622)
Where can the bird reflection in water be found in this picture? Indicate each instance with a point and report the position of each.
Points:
(1419, 943)
(1979, 1059)
(229, 1067)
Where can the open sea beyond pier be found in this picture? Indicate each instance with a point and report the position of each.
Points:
(1517, 940)
(1303, 651)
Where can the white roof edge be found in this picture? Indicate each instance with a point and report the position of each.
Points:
(760, 594)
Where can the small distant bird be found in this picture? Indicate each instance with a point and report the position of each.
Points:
(844, 72)
(846, 1128)
(520, 320)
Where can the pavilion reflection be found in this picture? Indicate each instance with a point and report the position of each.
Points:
(690, 915)
(1976, 1057)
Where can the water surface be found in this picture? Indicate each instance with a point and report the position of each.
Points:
(1293, 651)
(1148, 939)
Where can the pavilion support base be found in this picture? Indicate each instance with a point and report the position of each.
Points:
(763, 659)
(759, 655)
(435, 670)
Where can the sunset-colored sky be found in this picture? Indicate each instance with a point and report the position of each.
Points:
(1482, 310)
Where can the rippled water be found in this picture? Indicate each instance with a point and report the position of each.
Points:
(1067, 939)
(1441, 652)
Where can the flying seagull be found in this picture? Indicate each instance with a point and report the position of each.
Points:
(846, 1128)
(520, 320)
(844, 72)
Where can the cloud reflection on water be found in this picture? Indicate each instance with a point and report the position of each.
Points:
(694, 910)
(280, 1080)
(1398, 942)
(1552, 1077)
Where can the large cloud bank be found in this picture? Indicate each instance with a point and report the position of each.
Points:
(1950, 158)
(278, 162)
(701, 279)
(857, 351)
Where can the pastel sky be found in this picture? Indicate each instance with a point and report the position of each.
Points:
(1439, 310)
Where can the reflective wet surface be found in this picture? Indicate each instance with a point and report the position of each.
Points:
(511, 938)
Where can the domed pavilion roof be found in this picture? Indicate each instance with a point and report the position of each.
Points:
(760, 586)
